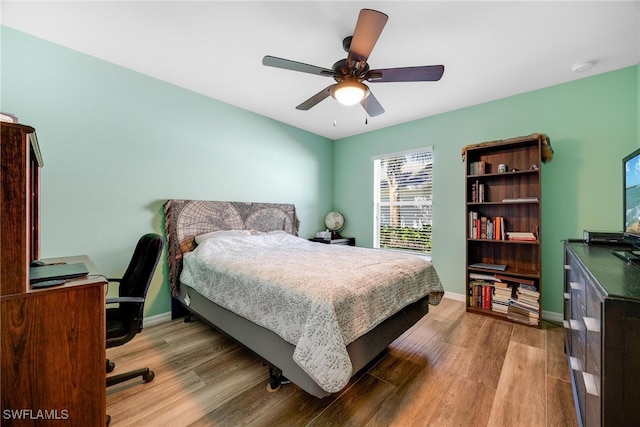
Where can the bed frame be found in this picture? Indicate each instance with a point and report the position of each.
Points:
(185, 219)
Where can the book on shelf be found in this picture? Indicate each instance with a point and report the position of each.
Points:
(502, 293)
(518, 314)
(478, 167)
(520, 199)
(473, 218)
(499, 228)
(489, 266)
(519, 280)
(482, 227)
(484, 277)
(521, 235)
(477, 192)
(522, 284)
(524, 306)
(480, 293)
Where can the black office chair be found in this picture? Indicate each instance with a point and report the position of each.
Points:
(125, 321)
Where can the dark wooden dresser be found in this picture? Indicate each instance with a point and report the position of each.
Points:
(602, 334)
(52, 340)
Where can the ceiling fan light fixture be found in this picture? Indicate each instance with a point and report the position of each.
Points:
(349, 92)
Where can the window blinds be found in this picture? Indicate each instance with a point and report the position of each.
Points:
(403, 186)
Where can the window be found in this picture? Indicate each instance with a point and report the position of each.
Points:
(402, 200)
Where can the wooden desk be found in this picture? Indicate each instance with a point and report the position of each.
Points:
(54, 353)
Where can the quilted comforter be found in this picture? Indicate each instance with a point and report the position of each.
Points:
(317, 297)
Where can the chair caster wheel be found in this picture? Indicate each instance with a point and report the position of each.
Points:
(148, 377)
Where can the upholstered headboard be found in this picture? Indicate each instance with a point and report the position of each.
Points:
(185, 219)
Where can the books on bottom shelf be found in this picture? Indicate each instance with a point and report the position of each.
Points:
(506, 295)
(524, 306)
(480, 293)
(501, 297)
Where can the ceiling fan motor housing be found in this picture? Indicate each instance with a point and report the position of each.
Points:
(342, 70)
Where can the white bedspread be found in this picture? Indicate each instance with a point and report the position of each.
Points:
(315, 296)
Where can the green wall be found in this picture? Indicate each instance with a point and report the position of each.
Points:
(118, 144)
(592, 124)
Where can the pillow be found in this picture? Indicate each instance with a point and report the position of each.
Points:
(221, 233)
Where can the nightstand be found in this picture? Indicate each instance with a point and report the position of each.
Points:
(348, 241)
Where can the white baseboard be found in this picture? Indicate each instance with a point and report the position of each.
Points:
(158, 318)
(552, 316)
(549, 316)
(454, 296)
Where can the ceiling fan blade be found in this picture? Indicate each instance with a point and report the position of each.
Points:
(272, 61)
(428, 73)
(315, 99)
(371, 105)
(368, 28)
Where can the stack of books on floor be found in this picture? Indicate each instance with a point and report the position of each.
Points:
(524, 306)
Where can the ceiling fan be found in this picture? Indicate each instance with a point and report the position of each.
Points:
(351, 72)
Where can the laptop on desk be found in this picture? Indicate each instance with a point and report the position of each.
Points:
(57, 271)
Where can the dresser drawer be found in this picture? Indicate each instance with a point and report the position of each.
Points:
(593, 326)
(583, 325)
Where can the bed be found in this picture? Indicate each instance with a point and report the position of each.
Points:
(315, 313)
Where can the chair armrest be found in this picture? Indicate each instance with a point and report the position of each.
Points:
(125, 299)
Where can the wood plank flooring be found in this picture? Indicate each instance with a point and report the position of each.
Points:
(451, 369)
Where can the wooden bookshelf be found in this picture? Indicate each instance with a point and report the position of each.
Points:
(500, 202)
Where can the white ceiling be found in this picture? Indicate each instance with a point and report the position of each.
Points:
(490, 50)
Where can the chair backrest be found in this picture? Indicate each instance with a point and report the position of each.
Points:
(137, 278)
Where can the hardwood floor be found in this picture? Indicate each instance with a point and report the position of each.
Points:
(451, 369)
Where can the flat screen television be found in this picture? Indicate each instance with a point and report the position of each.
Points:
(631, 196)
(631, 205)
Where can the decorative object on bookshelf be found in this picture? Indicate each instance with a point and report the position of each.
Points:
(547, 150)
(504, 250)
